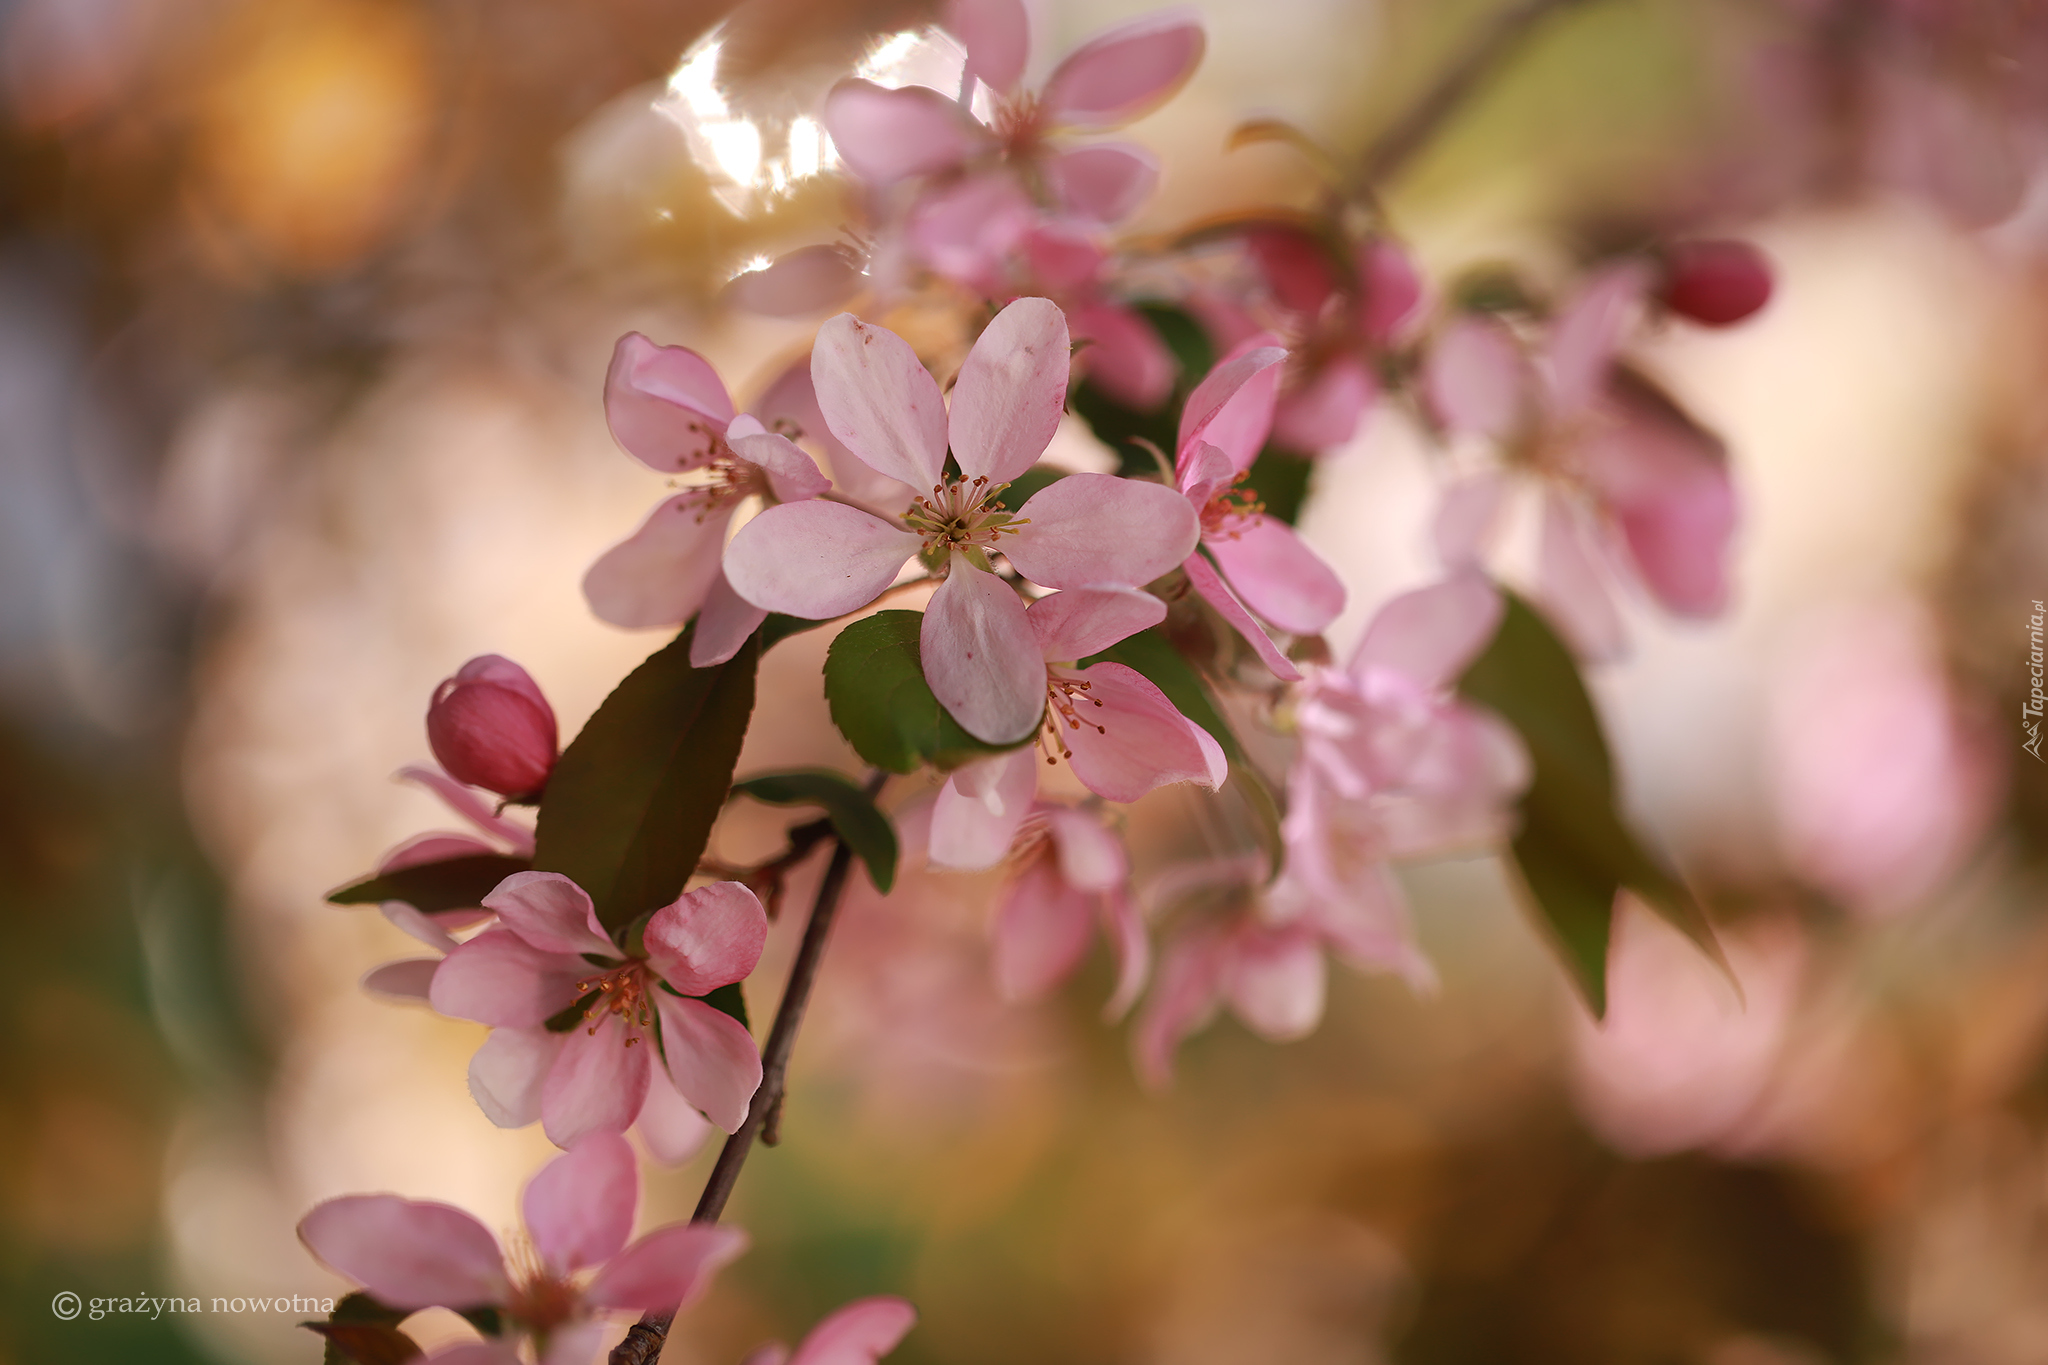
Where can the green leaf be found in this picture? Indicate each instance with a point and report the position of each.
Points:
(1186, 338)
(1152, 654)
(1573, 848)
(1029, 484)
(452, 884)
(364, 1331)
(730, 999)
(485, 1319)
(631, 801)
(853, 813)
(874, 684)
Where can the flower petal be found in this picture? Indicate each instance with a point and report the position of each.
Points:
(879, 400)
(421, 927)
(1041, 931)
(409, 978)
(816, 559)
(978, 812)
(997, 36)
(658, 575)
(1475, 379)
(596, 1085)
(580, 1206)
(1324, 413)
(1666, 482)
(792, 401)
(1467, 517)
(1011, 391)
(434, 846)
(575, 1342)
(792, 475)
(409, 1253)
(667, 1269)
(669, 1125)
(711, 1059)
(493, 1352)
(1428, 636)
(797, 284)
(550, 912)
(1104, 182)
(500, 979)
(980, 657)
(1573, 584)
(1125, 72)
(724, 624)
(1232, 408)
(968, 230)
(1390, 292)
(1184, 999)
(1586, 335)
(1217, 594)
(1125, 928)
(1276, 574)
(1090, 857)
(507, 1073)
(1124, 357)
(664, 404)
(1127, 738)
(470, 807)
(1274, 981)
(887, 135)
(708, 938)
(1083, 621)
(861, 1333)
(1092, 530)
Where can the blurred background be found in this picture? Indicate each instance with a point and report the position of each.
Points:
(304, 312)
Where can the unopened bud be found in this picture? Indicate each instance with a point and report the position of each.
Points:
(490, 727)
(1716, 283)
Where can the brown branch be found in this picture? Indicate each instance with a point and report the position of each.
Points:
(643, 1341)
(1395, 147)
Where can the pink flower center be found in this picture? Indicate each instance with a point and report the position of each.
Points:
(1226, 512)
(1020, 125)
(959, 515)
(622, 993)
(541, 1300)
(1064, 698)
(729, 478)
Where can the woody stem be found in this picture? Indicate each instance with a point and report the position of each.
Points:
(643, 1341)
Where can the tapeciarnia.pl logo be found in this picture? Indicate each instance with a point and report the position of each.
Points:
(2030, 710)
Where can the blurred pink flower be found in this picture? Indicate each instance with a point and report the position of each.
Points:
(1625, 476)
(667, 407)
(1261, 567)
(1880, 788)
(823, 558)
(490, 727)
(860, 1333)
(574, 1018)
(579, 1210)
(1682, 1059)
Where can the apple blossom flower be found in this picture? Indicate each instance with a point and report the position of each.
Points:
(860, 1333)
(575, 1017)
(1627, 482)
(886, 136)
(667, 407)
(822, 558)
(490, 727)
(410, 1254)
(1261, 567)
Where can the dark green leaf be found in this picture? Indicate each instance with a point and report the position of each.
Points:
(729, 999)
(1186, 338)
(1280, 478)
(778, 628)
(631, 802)
(453, 884)
(364, 1331)
(1029, 484)
(1152, 654)
(853, 813)
(485, 1319)
(874, 684)
(1573, 848)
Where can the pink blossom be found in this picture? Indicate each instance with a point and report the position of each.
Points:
(579, 1211)
(667, 407)
(823, 558)
(1261, 569)
(1345, 309)
(1628, 484)
(548, 961)
(1065, 874)
(490, 727)
(886, 136)
(860, 1333)
(1391, 766)
(1716, 283)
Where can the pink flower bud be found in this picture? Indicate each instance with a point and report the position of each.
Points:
(490, 727)
(1717, 283)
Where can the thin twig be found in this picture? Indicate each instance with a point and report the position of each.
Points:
(643, 1341)
(1412, 131)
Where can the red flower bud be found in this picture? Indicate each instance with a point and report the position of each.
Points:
(490, 727)
(1716, 283)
